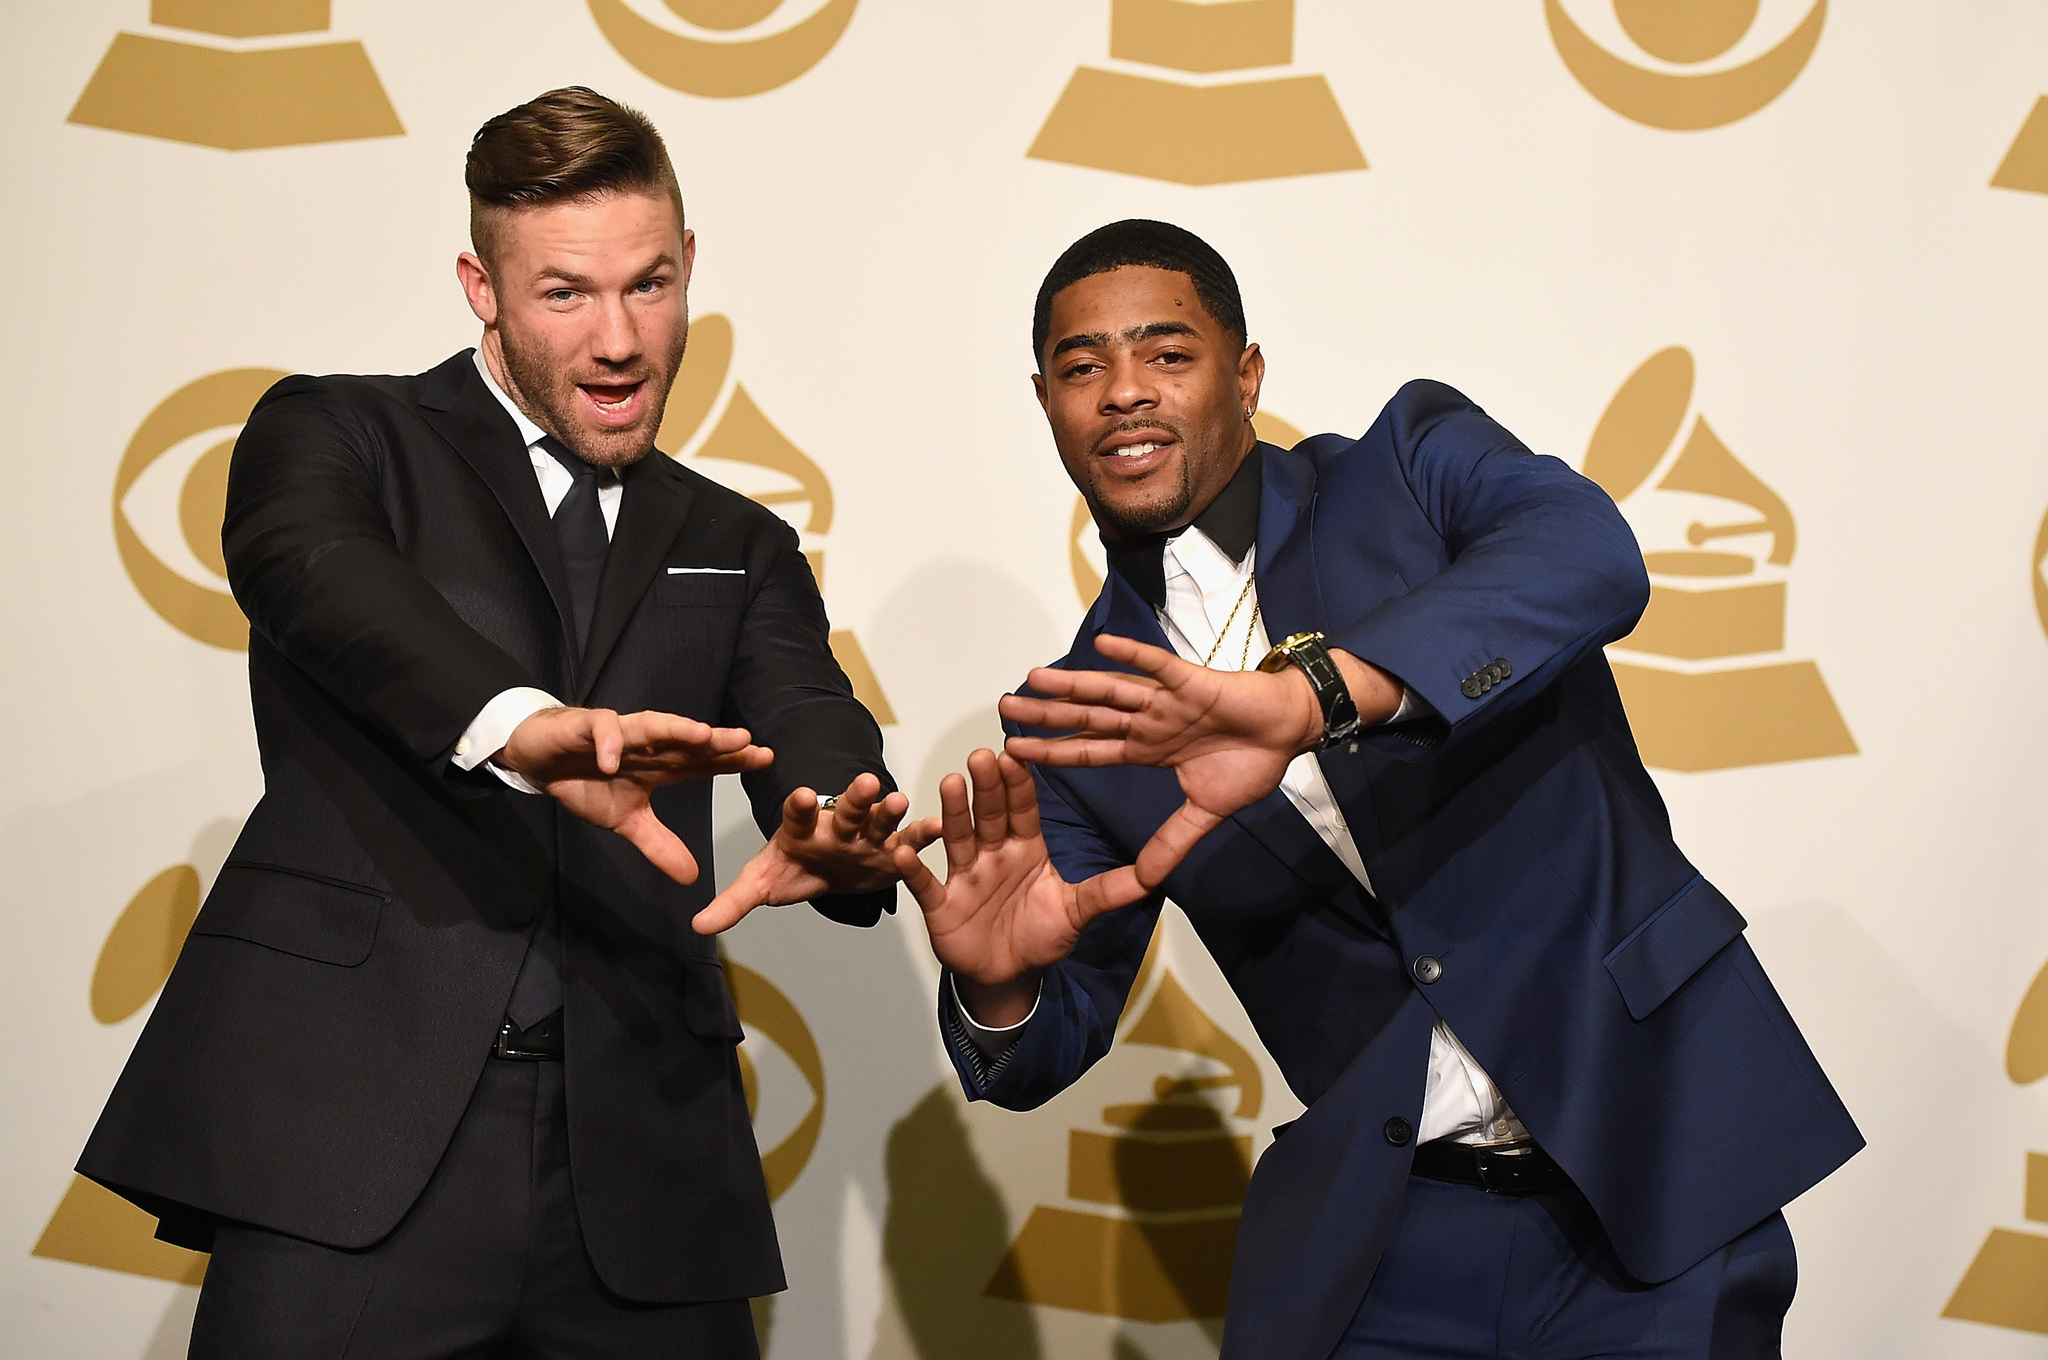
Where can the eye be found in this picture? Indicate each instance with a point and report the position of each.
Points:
(1174, 356)
(646, 286)
(561, 295)
(1082, 369)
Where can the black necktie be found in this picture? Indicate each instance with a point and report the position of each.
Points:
(580, 532)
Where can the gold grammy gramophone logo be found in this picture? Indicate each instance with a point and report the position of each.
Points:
(2041, 575)
(93, 1226)
(2026, 161)
(2007, 1284)
(1685, 35)
(175, 473)
(1084, 549)
(747, 63)
(744, 451)
(1199, 131)
(226, 81)
(1159, 1189)
(1702, 675)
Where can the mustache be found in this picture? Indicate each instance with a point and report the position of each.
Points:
(1132, 425)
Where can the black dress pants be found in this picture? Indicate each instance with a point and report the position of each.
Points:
(489, 1263)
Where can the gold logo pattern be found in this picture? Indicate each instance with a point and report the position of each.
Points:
(2026, 162)
(1162, 1190)
(1684, 33)
(1699, 683)
(2007, 1284)
(234, 96)
(2041, 575)
(722, 68)
(214, 406)
(1189, 133)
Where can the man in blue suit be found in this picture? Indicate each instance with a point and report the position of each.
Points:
(1554, 1105)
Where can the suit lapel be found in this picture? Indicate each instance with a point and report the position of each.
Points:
(459, 408)
(1290, 592)
(651, 513)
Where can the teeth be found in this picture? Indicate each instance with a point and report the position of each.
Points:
(1136, 450)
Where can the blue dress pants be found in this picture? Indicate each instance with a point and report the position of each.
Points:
(1472, 1276)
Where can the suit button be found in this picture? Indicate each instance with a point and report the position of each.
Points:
(1428, 969)
(1500, 663)
(1399, 1131)
(1472, 688)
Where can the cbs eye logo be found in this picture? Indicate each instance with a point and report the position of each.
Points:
(724, 67)
(1695, 85)
(170, 494)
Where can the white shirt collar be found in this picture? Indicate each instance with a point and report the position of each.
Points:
(528, 431)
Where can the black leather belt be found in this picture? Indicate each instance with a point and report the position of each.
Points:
(1500, 1169)
(542, 1042)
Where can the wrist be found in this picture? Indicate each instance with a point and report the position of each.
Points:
(999, 1005)
(1305, 728)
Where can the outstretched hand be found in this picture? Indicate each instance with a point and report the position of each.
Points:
(1228, 736)
(844, 849)
(604, 766)
(1003, 914)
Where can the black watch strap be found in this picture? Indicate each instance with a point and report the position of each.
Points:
(1306, 650)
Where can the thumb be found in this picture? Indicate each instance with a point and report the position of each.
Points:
(1171, 843)
(664, 849)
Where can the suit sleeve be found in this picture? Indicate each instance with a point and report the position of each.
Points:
(787, 689)
(1542, 570)
(314, 564)
(1083, 995)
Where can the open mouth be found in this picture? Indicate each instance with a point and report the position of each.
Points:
(1133, 453)
(614, 404)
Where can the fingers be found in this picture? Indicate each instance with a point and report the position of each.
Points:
(1106, 892)
(1171, 843)
(663, 848)
(725, 911)
(800, 813)
(1069, 751)
(991, 801)
(888, 814)
(924, 885)
(850, 815)
(1157, 662)
(1021, 796)
(607, 739)
(956, 822)
(918, 834)
(1096, 720)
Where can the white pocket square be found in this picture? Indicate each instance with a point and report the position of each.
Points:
(707, 571)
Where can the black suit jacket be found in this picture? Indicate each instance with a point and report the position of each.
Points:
(318, 1040)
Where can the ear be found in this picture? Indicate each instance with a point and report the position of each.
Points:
(1038, 386)
(1251, 376)
(477, 287)
(689, 256)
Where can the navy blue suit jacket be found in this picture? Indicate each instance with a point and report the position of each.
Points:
(1599, 979)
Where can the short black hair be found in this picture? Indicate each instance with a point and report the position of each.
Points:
(1141, 241)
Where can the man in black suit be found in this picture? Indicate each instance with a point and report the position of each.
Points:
(428, 983)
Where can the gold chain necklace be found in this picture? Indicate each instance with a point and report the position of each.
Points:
(1224, 632)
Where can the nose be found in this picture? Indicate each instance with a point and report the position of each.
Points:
(613, 338)
(1130, 387)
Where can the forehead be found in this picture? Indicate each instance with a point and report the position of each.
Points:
(1129, 296)
(622, 229)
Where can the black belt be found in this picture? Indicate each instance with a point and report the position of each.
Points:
(1501, 1169)
(541, 1042)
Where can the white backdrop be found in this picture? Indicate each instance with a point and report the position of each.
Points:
(1863, 311)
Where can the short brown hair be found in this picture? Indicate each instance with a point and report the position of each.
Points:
(571, 143)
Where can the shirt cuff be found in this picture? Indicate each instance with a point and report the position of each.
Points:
(993, 1043)
(1412, 706)
(492, 728)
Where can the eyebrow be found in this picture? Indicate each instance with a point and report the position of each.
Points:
(1100, 339)
(570, 276)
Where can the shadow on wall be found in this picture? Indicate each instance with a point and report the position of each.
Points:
(945, 1231)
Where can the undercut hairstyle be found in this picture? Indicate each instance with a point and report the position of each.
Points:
(566, 145)
(1140, 241)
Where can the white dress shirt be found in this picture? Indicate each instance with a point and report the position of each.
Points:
(1203, 586)
(492, 727)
